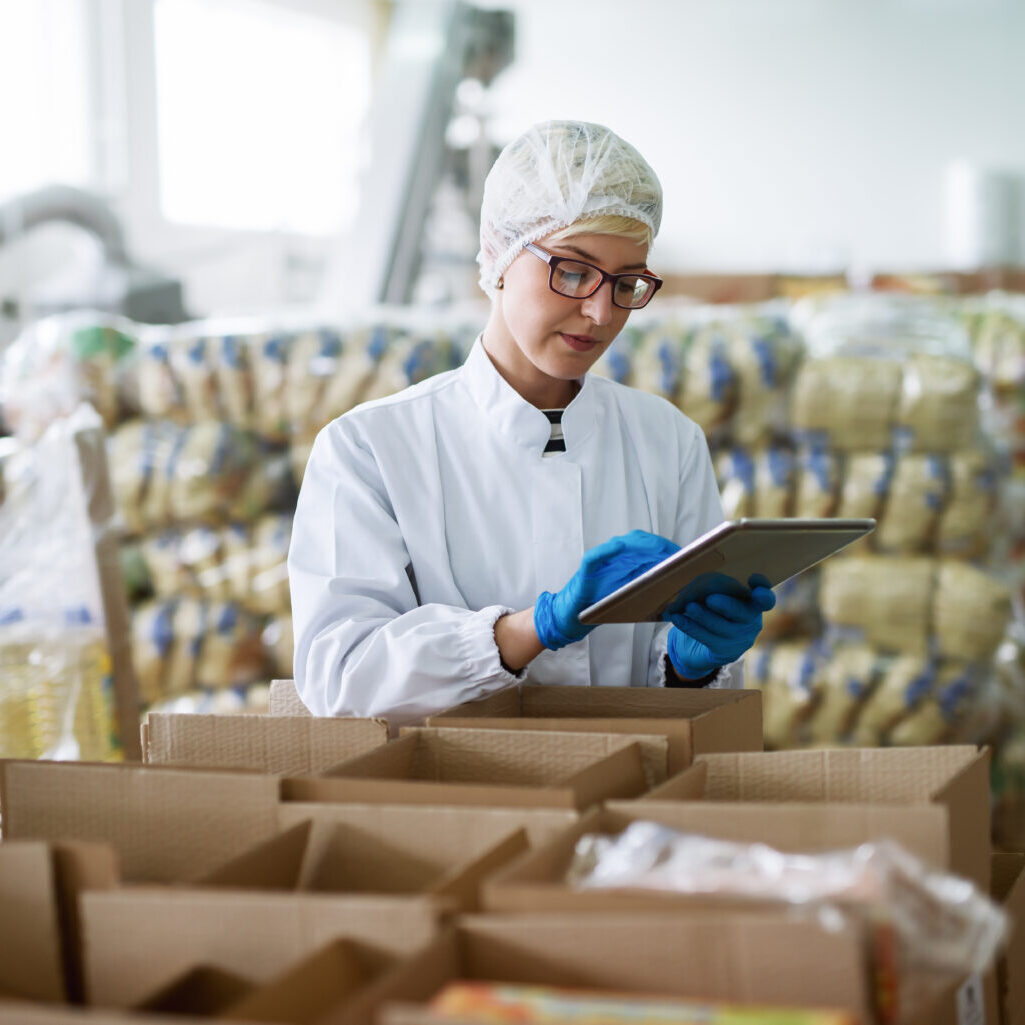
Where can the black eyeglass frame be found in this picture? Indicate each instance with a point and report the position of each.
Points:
(553, 261)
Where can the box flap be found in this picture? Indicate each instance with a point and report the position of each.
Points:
(276, 744)
(501, 704)
(879, 775)
(284, 699)
(966, 796)
(462, 883)
(688, 785)
(165, 824)
(273, 864)
(139, 939)
(31, 964)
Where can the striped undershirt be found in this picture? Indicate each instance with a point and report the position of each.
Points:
(556, 443)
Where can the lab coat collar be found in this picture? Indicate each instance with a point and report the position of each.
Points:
(508, 413)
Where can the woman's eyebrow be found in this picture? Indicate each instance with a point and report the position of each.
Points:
(587, 255)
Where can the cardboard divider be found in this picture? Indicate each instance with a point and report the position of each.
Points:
(203, 992)
(165, 824)
(932, 800)
(744, 957)
(296, 745)
(284, 699)
(693, 721)
(490, 768)
(139, 939)
(433, 828)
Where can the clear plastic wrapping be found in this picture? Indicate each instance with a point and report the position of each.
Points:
(944, 926)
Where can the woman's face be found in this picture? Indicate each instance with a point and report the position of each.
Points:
(544, 342)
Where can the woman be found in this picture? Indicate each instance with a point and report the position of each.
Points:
(447, 537)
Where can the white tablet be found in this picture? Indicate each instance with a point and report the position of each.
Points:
(723, 560)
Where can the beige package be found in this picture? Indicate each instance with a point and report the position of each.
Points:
(774, 482)
(347, 383)
(708, 390)
(193, 367)
(917, 495)
(787, 674)
(939, 409)
(152, 638)
(763, 363)
(201, 551)
(866, 484)
(850, 400)
(847, 678)
(162, 443)
(128, 472)
(234, 378)
(887, 599)
(971, 611)
(189, 627)
(167, 573)
(401, 362)
(279, 644)
(268, 360)
(817, 484)
(906, 681)
(965, 526)
(269, 583)
(657, 363)
(735, 471)
(232, 652)
(159, 390)
(299, 455)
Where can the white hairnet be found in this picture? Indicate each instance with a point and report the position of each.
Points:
(554, 174)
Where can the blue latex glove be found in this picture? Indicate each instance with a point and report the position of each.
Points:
(718, 629)
(603, 569)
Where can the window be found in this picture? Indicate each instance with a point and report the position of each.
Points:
(44, 96)
(259, 113)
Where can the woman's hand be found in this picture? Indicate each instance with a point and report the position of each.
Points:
(603, 569)
(718, 629)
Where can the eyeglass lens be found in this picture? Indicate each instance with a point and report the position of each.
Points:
(578, 280)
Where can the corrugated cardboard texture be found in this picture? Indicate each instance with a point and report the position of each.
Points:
(741, 956)
(541, 824)
(139, 939)
(484, 767)
(284, 699)
(395, 849)
(921, 829)
(1009, 889)
(695, 721)
(289, 745)
(165, 824)
(881, 775)
(30, 946)
(952, 780)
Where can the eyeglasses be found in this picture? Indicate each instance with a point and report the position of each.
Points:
(578, 280)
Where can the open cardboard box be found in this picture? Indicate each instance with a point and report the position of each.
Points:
(749, 957)
(296, 745)
(488, 768)
(165, 824)
(341, 983)
(693, 721)
(1008, 889)
(365, 868)
(933, 800)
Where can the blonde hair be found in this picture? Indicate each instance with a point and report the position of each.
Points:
(606, 224)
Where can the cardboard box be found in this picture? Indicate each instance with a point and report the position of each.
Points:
(286, 745)
(40, 940)
(284, 699)
(139, 939)
(694, 721)
(1008, 889)
(165, 824)
(489, 768)
(203, 992)
(933, 800)
(744, 957)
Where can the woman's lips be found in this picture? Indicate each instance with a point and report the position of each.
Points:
(579, 343)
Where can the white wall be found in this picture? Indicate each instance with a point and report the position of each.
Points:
(789, 134)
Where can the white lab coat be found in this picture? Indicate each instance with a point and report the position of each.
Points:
(426, 515)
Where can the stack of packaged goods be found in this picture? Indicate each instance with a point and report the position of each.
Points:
(210, 425)
(56, 680)
(896, 640)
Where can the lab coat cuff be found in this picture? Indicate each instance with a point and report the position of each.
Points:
(481, 660)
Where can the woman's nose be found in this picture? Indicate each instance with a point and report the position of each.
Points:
(598, 307)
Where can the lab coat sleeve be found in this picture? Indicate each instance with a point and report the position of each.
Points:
(364, 646)
(699, 510)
